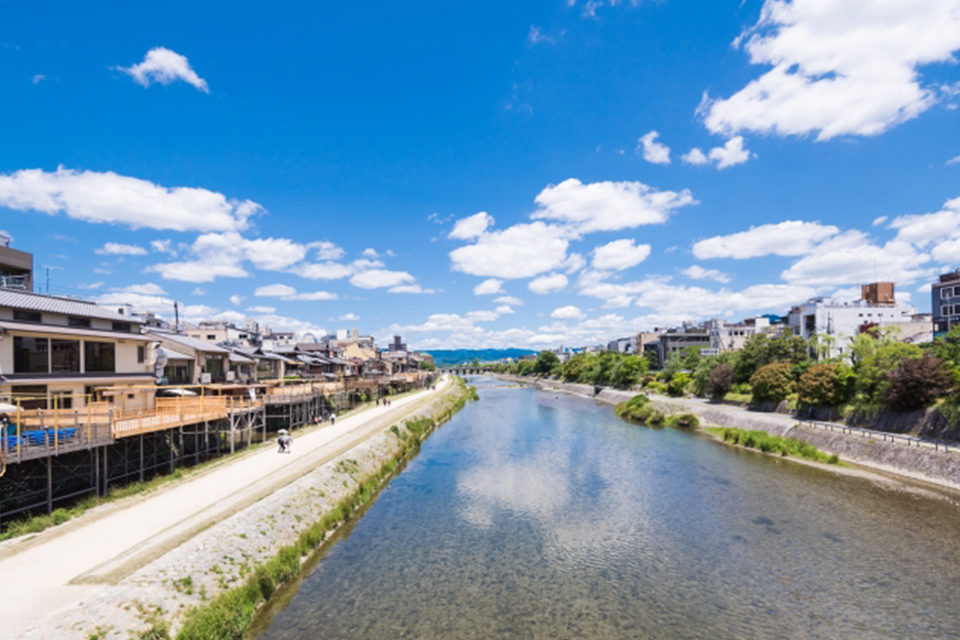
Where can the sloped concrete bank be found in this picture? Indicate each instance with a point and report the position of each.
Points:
(154, 601)
(889, 456)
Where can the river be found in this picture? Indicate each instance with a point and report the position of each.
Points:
(537, 515)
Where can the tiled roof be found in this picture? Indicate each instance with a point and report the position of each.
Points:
(187, 341)
(66, 306)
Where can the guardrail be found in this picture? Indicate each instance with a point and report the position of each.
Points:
(936, 445)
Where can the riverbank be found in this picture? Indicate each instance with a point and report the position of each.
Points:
(876, 451)
(119, 575)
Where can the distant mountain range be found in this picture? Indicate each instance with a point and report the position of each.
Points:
(450, 357)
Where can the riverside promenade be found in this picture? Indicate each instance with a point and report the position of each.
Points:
(44, 574)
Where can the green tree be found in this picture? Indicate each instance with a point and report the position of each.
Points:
(629, 371)
(545, 362)
(825, 385)
(772, 382)
(873, 379)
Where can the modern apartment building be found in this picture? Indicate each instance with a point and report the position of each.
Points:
(16, 267)
(64, 353)
(945, 302)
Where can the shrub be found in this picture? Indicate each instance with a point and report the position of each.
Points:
(657, 387)
(917, 383)
(772, 382)
(720, 381)
(683, 421)
(825, 385)
(678, 383)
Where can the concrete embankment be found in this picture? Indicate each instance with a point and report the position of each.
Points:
(222, 557)
(874, 451)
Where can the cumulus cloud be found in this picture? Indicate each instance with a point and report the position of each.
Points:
(695, 157)
(107, 197)
(378, 278)
(286, 292)
(214, 255)
(730, 154)
(261, 309)
(619, 255)
(569, 312)
(509, 300)
(149, 289)
(653, 151)
(236, 299)
(953, 160)
(850, 258)
(165, 66)
(491, 286)
(471, 226)
(927, 228)
(548, 284)
(325, 250)
(116, 249)
(410, 288)
(322, 270)
(696, 272)
(608, 206)
(520, 251)
(838, 67)
(789, 238)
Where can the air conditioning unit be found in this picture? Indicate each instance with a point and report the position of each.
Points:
(231, 376)
(205, 378)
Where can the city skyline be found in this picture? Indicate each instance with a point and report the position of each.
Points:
(516, 176)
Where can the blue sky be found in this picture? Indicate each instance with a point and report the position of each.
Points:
(505, 174)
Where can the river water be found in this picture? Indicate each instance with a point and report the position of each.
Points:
(533, 515)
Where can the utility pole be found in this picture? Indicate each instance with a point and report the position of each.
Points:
(176, 315)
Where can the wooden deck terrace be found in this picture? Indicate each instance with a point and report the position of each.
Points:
(48, 432)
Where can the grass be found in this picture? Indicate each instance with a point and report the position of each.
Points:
(739, 398)
(229, 615)
(638, 409)
(763, 441)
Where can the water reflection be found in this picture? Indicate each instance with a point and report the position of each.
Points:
(536, 516)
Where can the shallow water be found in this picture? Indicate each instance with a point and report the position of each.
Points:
(532, 515)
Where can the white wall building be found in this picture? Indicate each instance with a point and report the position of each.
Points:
(843, 321)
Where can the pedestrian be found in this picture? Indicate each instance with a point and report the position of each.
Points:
(333, 419)
(287, 443)
(281, 442)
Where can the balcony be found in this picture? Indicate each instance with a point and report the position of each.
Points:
(20, 283)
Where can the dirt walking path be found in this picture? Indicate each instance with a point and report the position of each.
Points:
(63, 565)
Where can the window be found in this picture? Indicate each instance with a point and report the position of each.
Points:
(61, 400)
(30, 355)
(73, 321)
(141, 354)
(30, 396)
(26, 316)
(65, 356)
(122, 326)
(211, 336)
(99, 357)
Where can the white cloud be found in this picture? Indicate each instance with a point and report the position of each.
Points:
(223, 254)
(471, 226)
(695, 157)
(116, 249)
(504, 310)
(536, 36)
(488, 287)
(199, 291)
(273, 254)
(482, 316)
(520, 251)
(839, 67)
(548, 284)
(377, 278)
(573, 263)
(261, 309)
(286, 292)
(879, 220)
(954, 160)
(510, 300)
(730, 154)
(927, 228)
(38, 78)
(322, 270)
(619, 255)
(327, 250)
(789, 238)
(165, 66)
(410, 288)
(696, 272)
(653, 151)
(236, 299)
(365, 263)
(568, 312)
(348, 316)
(111, 198)
(370, 253)
(608, 206)
(162, 246)
(149, 289)
(850, 258)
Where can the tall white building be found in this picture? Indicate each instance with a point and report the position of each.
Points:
(844, 320)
